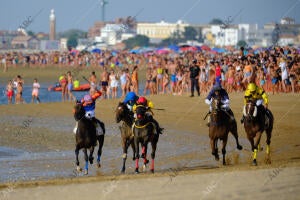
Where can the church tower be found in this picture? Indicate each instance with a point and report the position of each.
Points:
(52, 25)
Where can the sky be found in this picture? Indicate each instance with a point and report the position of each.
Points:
(81, 14)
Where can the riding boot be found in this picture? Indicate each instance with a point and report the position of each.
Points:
(99, 126)
(208, 120)
(242, 120)
(158, 128)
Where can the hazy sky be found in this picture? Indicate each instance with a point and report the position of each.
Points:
(83, 13)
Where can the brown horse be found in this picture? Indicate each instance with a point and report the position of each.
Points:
(143, 130)
(219, 127)
(86, 137)
(123, 114)
(254, 124)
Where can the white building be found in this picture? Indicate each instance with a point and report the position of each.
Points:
(248, 33)
(224, 37)
(115, 33)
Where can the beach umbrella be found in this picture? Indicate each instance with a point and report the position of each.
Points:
(205, 48)
(188, 48)
(174, 47)
(163, 51)
(74, 51)
(96, 50)
(218, 50)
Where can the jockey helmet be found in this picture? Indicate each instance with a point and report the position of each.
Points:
(251, 87)
(87, 98)
(142, 100)
(217, 87)
(131, 96)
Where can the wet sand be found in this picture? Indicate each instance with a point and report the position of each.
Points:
(41, 153)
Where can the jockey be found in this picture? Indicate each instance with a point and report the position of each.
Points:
(142, 101)
(89, 105)
(253, 92)
(218, 91)
(130, 100)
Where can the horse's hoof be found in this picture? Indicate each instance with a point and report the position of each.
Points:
(239, 147)
(98, 165)
(254, 162)
(152, 171)
(217, 158)
(122, 171)
(137, 171)
(86, 172)
(79, 169)
(224, 163)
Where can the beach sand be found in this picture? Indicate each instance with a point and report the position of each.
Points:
(185, 167)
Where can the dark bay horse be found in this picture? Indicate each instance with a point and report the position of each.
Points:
(143, 130)
(123, 114)
(86, 138)
(254, 124)
(220, 126)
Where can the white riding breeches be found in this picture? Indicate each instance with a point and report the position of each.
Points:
(90, 114)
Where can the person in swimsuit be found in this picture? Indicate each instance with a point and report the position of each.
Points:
(104, 82)
(35, 91)
(70, 86)
(9, 91)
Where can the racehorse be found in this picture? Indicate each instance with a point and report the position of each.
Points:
(123, 114)
(220, 126)
(143, 130)
(86, 138)
(254, 124)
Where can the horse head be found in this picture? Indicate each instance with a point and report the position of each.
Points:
(250, 110)
(123, 114)
(78, 111)
(215, 109)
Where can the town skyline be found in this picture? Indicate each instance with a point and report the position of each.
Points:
(82, 15)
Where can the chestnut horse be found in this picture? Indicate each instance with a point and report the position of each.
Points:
(123, 114)
(254, 124)
(219, 127)
(86, 137)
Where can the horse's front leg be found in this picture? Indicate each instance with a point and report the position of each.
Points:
(144, 155)
(77, 160)
(91, 157)
(236, 136)
(100, 139)
(154, 145)
(214, 149)
(86, 169)
(224, 149)
(137, 154)
(125, 144)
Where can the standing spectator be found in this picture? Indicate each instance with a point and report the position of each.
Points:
(148, 81)
(35, 91)
(284, 74)
(135, 80)
(123, 81)
(104, 83)
(63, 84)
(93, 83)
(194, 76)
(166, 82)
(113, 83)
(9, 91)
(70, 86)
